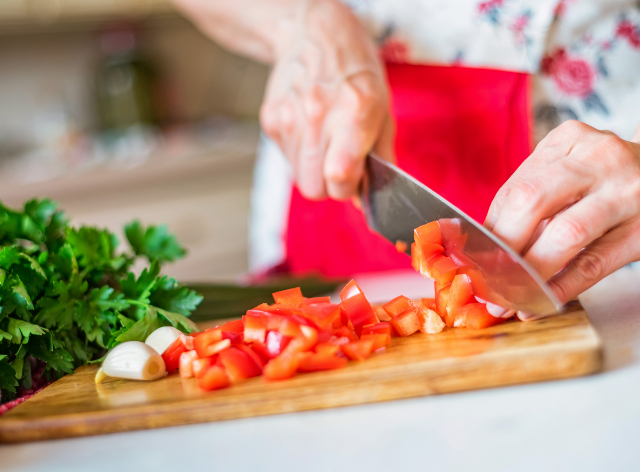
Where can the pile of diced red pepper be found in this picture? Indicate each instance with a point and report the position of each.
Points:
(298, 334)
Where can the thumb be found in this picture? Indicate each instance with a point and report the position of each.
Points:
(636, 135)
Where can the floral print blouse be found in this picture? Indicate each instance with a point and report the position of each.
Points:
(584, 55)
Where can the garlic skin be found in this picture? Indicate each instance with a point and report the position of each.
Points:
(162, 338)
(133, 360)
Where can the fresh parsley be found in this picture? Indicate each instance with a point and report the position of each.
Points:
(67, 294)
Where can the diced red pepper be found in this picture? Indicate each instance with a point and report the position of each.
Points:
(398, 305)
(442, 300)
(275, 343)
(171, 355)
(307, 338)
(443, 270)
(186, 364)
(210, 342)
(311, 362)
(429, 321)
(428, 234)
(292, 297)
(254, 327)
(358, 350)
(359, 312)
(285, 325)
(323, 314)
(379, 340)
(316, 300)
(430, 303)
(214, 378)
(235, 338)
(477, 281)
(406, 323)
(476, 316)
(199, 366)
(401, 246)
(282, 367)
(238, 365)
(327, 348)
(416, 257)
(461, 293)
(343, 331)
(252, 355)
(262, 351)
(350, 290)
(235, 326)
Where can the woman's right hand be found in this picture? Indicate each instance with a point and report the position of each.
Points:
(327, 100)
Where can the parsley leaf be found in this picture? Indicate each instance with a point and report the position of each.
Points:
(155, 243)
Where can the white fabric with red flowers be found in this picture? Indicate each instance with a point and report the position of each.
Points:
(584, 54)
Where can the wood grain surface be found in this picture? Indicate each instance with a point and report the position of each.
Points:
(455, 360)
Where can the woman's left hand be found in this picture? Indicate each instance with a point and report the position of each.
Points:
(572, 209)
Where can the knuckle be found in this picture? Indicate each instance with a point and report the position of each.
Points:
(571, 127)
(570, 232)
(525, 195)
(590, 266)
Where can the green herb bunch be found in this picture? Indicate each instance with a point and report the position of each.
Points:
(67, 295)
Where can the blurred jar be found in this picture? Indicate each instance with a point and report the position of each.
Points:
(126, 82)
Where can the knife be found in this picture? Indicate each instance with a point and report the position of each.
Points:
(395, 203)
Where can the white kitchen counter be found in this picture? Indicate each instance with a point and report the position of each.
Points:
(585, 424)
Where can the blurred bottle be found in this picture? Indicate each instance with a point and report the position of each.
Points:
(126, 81)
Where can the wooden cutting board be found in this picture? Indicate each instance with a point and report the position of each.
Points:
(455, 360)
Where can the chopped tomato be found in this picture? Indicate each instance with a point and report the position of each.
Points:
(199, 366)
(398, 305)
(344, 331)
(461, 293)
(379, 340)
(171, 355)
(282, 367)
(214, 378)
(292, 296)
(254, 327)
(323, 314)
(443, 270)
(235, 326)
(430, 303)
(405, 323)
(476, 316)
(311, 362)
(428, 234)
(442, 300)
(186, 361)
(350, 290)
(358, 350)
(359, 312)
(429, 321)
(316, 300)
(401, 246)
(238, 365)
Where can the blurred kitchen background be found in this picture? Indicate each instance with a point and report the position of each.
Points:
(121, 109)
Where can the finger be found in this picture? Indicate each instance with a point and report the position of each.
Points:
(353, 132)
(540, 196)
(386, 141)
(568, 233)
(636, 135)
(309, 174)
(555, 146)
(606, 255)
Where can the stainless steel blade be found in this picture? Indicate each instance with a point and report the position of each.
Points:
(395, 204)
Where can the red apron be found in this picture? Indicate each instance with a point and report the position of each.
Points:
(460, 131)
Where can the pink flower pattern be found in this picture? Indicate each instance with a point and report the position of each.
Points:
(572, 75)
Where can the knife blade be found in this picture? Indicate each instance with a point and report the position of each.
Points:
(395, 203)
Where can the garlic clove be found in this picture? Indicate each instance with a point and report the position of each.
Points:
(162, 338)
(100, 376)
(134, 360)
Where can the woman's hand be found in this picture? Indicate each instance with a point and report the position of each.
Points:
(327, 102)
(573, 207)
